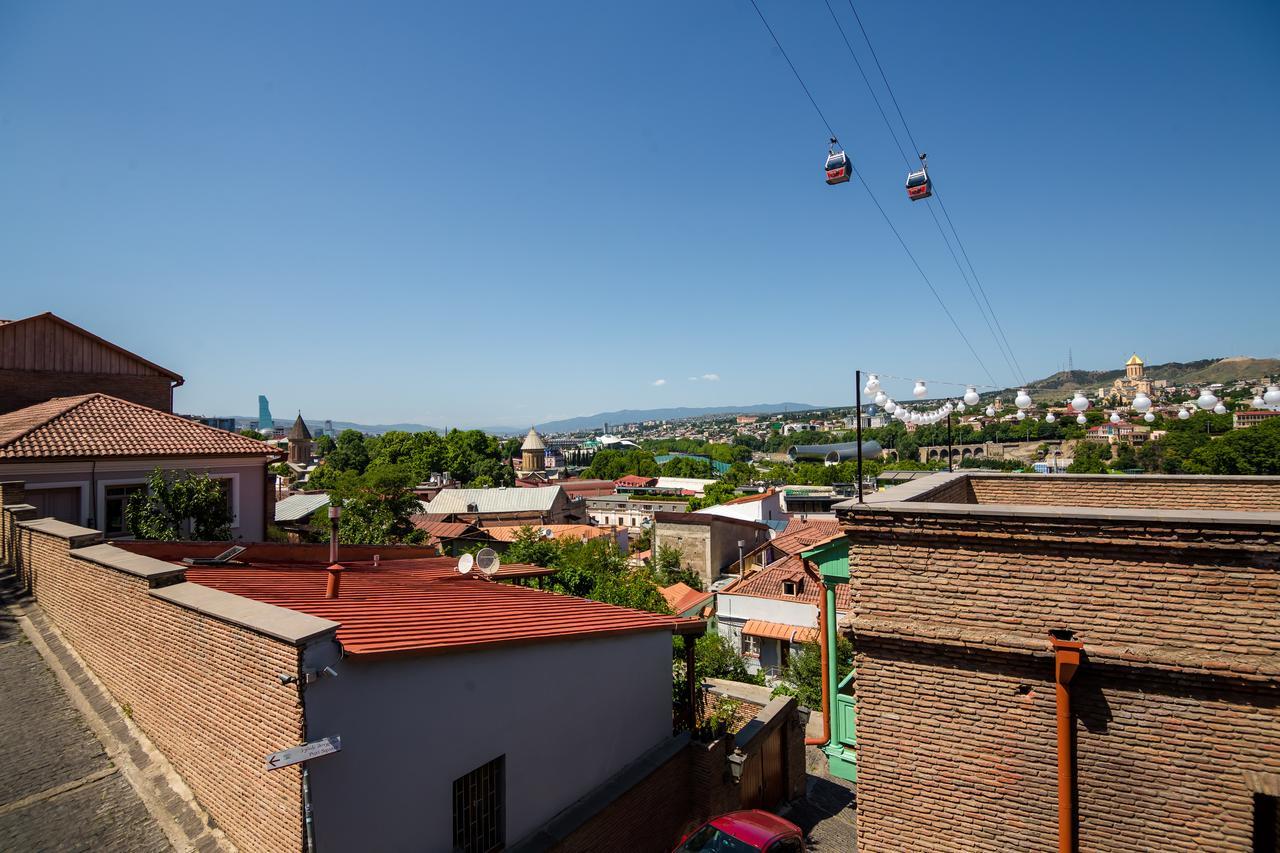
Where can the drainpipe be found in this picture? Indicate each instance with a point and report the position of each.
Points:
(1066, 660)
(826, 640)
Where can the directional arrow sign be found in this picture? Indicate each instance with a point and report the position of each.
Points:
(298, 754)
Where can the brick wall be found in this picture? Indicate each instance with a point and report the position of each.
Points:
(205, 691)
(22, 388)
(1176, 699)
(1242, 494)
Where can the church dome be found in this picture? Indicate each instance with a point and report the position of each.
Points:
(533, 441)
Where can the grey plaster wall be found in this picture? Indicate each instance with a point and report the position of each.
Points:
(567, 716)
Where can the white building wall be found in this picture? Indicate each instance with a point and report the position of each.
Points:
(768, 509)
(567, 716)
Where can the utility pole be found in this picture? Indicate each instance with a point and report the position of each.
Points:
(857, 396)
(949, 443)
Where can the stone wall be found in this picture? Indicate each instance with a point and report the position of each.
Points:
(1241, 494)
(204, 689)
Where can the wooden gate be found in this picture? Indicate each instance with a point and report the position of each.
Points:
(764, 774)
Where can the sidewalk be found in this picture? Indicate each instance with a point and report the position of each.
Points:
(75, 775)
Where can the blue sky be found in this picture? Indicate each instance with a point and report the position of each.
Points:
(476, 214)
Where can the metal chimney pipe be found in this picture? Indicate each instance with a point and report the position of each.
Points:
(334, 513)
(333, 587)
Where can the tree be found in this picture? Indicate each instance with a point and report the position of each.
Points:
(802, 676)
(596, 569)
(349, 452)
(532, 547)
(1125, 457)
(1091, 457)
(377, 508)
(714, 494)
(715, 657)
(685, 466)
(612, 464)
(180, 505)
(1255, 450)
(666, 564)
(323, 445)
(250, 433)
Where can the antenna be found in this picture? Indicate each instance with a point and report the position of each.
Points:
(487, 560)
(465, 562)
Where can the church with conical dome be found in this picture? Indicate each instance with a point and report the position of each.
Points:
(1134, 381)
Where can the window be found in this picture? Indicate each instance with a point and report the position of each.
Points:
(787, 845)
(479, 808)
(751, 645)
(792, 587)
(708, 839)
(116, 499)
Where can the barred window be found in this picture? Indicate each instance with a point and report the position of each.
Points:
(479, 809)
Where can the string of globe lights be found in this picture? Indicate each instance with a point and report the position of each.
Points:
(971, 398)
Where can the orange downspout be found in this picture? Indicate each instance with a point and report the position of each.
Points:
(826, 696)
(1066, 660)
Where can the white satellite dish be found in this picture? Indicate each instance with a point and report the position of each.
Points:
(465, 562)
(487, 560)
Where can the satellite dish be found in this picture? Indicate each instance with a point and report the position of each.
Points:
(465, 562)
(487, 560)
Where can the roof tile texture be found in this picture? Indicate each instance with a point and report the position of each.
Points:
(99, 425)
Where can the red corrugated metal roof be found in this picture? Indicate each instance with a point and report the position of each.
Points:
(425, 606)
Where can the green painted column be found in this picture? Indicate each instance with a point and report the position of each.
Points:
(833, 678)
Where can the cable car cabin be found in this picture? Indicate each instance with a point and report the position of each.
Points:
(839, 169)
(919, 186)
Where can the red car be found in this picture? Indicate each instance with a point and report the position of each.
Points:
(751, 831)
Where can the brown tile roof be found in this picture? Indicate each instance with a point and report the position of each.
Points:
(746, 499)
(802, 534)
(99, 425)
(681, 597)
(767, 583)
(439, 530)
(509, 532)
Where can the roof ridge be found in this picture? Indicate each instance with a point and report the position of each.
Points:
(80, 400)
(185, 421)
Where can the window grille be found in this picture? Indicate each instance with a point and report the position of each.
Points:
(479, 809)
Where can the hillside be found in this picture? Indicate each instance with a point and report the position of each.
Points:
(1203, 372)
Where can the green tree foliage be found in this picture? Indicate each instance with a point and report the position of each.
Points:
(715, 657)
(180, 505)
(377, 508)
(323, 445)
(739, 474)
(713, 495)
(1126, 458)
(251, 433)
(612, 464)
(1091, 457)
(727, 453)
(596, 569)
(349, 452)
(1255, 450)
(802, 676)
(684, 466)
(532, 547)
(666, 566)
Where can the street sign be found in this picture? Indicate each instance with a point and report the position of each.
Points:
(298, 754)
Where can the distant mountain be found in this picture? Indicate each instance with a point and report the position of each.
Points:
(631, 416)
(1204, 372)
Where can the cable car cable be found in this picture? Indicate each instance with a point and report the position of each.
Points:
(938, 195)
(937, 224)
(874, 200)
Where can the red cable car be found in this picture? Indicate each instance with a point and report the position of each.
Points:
(839, 169)
(918, 184)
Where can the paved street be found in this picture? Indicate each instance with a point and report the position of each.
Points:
(58, 789)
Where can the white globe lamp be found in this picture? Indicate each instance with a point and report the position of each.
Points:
(1021, 415)
(1149, 417)
(1079, 403)
(1082, 420)
(1141, 402)
(1183, 414)
(991, 411)
(1206, 400)
(1115, 417)
(920, 390)
(1023, 400)
(880, 399)
(873, 384)
(1050, 418)
(971, 396)
(1272, 397)
(1220, 409)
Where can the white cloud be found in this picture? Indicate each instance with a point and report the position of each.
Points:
(658, 382)
(711, 377)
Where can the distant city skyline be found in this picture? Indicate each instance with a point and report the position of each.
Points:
(409, 214)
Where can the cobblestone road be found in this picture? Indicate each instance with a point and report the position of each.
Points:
(59, 791)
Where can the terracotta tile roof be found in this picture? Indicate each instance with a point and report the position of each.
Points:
(779, 631)
(802, 534)
(767, 583)
(437, 529)
(508, 533)
(681, 597)
(425, 606)
(635, 481)
(99, 425)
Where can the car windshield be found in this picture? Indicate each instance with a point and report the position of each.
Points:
(917, 179)
(712, 840)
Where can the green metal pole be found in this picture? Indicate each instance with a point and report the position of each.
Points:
(833, 679)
